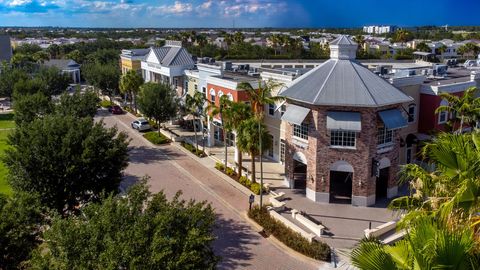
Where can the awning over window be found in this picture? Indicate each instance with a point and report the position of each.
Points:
(393, 119)
(295, 114)
(344, 121)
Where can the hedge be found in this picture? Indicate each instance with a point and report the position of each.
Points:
(156, 138)
(316, 250)
(105, 103)
(194, 150)
(243, 180)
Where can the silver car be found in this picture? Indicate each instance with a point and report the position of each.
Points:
(141, 125)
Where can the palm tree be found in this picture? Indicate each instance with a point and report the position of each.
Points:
(259, 98)
(224, 105)
(248, 134)
(130, 83)
(194, 105)
(428, 245)
(237, 113)
(469, 49)
(466, 108)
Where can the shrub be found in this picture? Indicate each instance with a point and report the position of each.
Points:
(193, 149)
(316, 250)
(244, 181)
(156, 138)
(105, 103)
(255, 188)
(219, 166)
(153, 124)
(230, 172)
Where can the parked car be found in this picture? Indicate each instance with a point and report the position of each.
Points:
(141, 125)
(115, 109)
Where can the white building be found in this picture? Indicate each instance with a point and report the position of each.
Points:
(379, 29)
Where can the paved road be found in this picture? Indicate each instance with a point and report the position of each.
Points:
(171, 170)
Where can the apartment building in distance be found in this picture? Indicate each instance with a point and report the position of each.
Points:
(379, 29)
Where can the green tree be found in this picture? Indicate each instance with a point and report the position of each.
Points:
(20, 219)
(75, 55)
(130, 84)
(55, 81)
(30, 107)
(248, 135)
(67, 160)
(158, 101)
(470, 50)
(78, 105)
(237, 113)
(8, 78)
(224, 105)
(104, 77)
(194, 105)
(261, 96)
(466, 108)
(423, 47)
(136, 231)
(31, 86)
(41, 56)
(402, 36)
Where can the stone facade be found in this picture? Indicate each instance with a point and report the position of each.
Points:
(320, 156)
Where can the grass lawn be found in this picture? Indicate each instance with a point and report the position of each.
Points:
(6, 122)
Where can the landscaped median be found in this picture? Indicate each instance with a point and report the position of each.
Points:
(243, 180)
(156, 138)
(199, 153)
(315, 249)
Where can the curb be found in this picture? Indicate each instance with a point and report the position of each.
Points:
(272, 239)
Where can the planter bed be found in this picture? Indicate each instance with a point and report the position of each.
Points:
(244, 181)
(316, 250)
(199, 153)
(156, 138)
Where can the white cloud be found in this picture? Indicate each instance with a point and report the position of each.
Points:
(177, 8)
(241, 7)
(15, 3)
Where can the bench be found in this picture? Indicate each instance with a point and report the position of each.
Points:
(394, 237)
(309, 236)
(380, 230)
(312, 226)
(276, 195)
(276, 204)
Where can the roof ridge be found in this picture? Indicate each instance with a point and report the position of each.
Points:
(363, 82)
(326, 80)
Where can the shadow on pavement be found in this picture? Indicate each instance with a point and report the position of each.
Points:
(232, 243)
(128, 181)
(147, 155)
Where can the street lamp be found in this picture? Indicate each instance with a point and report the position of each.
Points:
(261, 161)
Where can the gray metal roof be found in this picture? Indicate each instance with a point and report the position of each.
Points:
(344, 121)
(173, 56)
(62, 64)
(295, 114)
(343, 40)
(339, 82)
(5, 48)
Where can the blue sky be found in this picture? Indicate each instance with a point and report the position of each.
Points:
(245, 13)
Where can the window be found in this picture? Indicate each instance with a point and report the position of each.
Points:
(341, 138)
(271, 109)
(270, 150)
(442, 117)
(196, 87)
(283, 108)
(384, 135)
(212, 98)
(300, 131)
(212, 95)
(411, 113)
(204, 91)
(282, 150)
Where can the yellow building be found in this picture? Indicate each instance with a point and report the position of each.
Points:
(191, 81)
(131, 59)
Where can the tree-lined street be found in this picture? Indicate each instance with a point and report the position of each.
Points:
(171, 170)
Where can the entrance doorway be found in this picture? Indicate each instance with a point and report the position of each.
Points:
(299, 175)
(340, 187)
(382, 184)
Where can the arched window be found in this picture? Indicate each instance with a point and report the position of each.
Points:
(212, 95)
(220, 94)
(443, 115)
(412, 112)
(230, 96)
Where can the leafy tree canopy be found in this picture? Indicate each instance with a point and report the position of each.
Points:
(158, 101)
(136, 231)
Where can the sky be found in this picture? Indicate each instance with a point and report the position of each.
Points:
(238, 13)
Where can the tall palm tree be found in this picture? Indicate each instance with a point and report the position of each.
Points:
(237, 113)
(248, 135)
(130, 84)
(466, 107)
(224, 105)
(194, 105)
